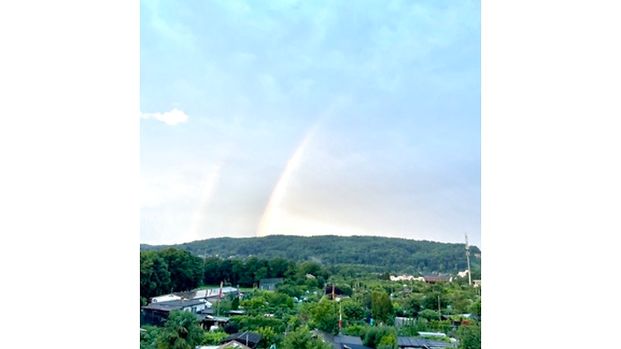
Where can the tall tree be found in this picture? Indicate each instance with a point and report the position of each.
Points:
(155, 279)
(181, 331)
(352, 310)
(381, 306)
(302, 339)
(470, 337)
(186, 270)
(324, 316)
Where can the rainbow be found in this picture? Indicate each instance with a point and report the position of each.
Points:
(207, 189)
(273, 210)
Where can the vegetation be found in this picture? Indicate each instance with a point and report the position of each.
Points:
(213, 337)
(352, 254)
(302, 339)
(180, 332)
(287, 317)
(470, 337)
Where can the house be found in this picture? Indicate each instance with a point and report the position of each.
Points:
(248, 339)
(406, 277)
(157, 313)
(209, 294)
(404, 321)
(432, 334)
(463, 274)
(458, 319)
(421, 343)
(476, 283)
(340, 341)
(270, 284)
(165, 298)
(434, 279)
(229, 345)
(237, 312)
(234, 345)
(209, 321)
(332, 289)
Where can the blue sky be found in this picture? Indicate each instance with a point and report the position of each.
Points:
(306, 118)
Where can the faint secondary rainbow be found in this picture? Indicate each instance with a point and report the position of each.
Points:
(208, 186)
(273, 211)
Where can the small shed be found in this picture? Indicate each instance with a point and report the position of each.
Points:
(270, 284)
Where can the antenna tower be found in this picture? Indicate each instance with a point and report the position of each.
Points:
(468, 261)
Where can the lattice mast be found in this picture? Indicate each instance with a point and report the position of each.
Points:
(468, 261)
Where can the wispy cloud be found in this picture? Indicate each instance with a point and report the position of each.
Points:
(400, 154)
(173, 31)
(172, 118)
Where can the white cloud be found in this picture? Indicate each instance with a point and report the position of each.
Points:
(173, 117)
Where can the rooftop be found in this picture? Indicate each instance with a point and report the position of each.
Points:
(418, 342)
(250, 337)
(174, 305)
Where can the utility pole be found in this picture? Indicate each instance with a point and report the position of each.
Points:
(340, 318)
(439, 309)
(204, 266)
(468, 261)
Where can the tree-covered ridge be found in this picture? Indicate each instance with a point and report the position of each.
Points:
(370, 253)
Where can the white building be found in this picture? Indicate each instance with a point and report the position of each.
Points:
(165, 298)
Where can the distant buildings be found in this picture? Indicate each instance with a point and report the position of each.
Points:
(340, 341)
(157, 313)
(270, 284)
(404, 321)
(245, 340)
(165, 298)
(462, 274)
(421, 343)
(198, 302)
(248, 339)
(406, 277)
(430, 279)
(434, 279)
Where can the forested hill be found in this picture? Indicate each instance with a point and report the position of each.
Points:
(370, 253)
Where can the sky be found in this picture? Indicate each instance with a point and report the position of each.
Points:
(310, 118)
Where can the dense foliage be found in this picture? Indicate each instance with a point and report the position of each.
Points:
(353, 254)
(302, 306)
(173, 270)
(180, 332)
(302, 339)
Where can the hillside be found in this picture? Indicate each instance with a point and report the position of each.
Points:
(370, 253)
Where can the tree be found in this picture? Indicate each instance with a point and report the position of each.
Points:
(475, 308)
(469, 336)
(324, 316)
(381, 306)
(252, 323)
(181, 331)
(212, 271)
(389, 341)
(278, 267)
(302, 339)
(268, 336)
(213, 337)
(429, 315)
(374, 336)
(460, 302)
(357, 330)
(148, 338)
(414, 304)
(186, 270)
(352, 310)
(155, 279)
